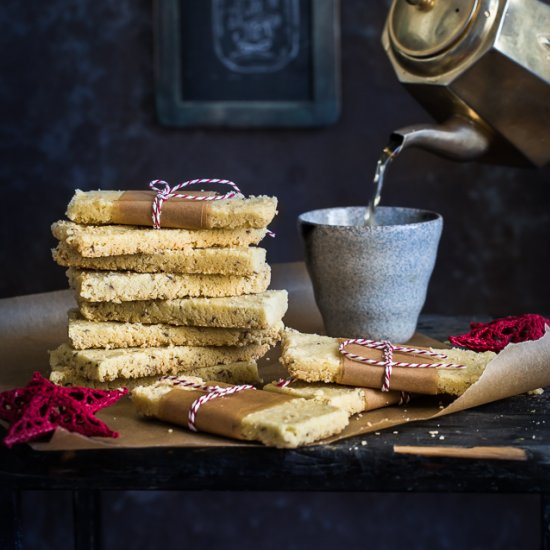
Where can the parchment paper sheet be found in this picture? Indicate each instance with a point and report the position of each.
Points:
(30, 325)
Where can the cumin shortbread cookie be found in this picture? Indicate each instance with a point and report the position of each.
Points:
(104, 207)
(223, 261)
(350, 399)
(125, 286)
(258, 311)
(314, 358)
(243, 372)
(106, 365)
(278, 421)
(85, 334)
(114, 240)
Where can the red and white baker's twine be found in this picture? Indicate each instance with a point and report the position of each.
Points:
(166, 192)
(212, 392)
(388, 363)
(283, 382)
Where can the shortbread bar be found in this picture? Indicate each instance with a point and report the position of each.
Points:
(285, 423)
(351, 399)
(125, 286)
(101, 207)
(114, 240)
(107, 365)
(314, 358)
(243, 372)
(85, 334)
(259, 311)
(224, 261)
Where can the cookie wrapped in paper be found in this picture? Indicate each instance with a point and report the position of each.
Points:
(353, 400)
(239, 412)
(314, 358)
(136, 208)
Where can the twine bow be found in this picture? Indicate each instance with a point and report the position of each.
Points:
(165, 192)
(388, 363)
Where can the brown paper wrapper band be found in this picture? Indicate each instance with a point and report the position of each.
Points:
(374, 399)
(136, 208)
(222, 415)
(197, 215)
(406, 375)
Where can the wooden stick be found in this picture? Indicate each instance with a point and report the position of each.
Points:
(490, 453)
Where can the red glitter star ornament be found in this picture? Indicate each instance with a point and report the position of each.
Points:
(41, 406)
(497, 334)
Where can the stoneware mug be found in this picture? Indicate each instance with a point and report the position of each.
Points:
(370, 281)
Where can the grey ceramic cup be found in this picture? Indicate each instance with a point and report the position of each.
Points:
(370, 281)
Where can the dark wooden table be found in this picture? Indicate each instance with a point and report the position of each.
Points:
(520, 423)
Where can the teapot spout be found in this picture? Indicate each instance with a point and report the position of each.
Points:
(458, 138)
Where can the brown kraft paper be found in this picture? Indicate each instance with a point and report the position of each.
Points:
(414, 380)
(136, 208)
(375, 399)
(30, 325)
(220, 416)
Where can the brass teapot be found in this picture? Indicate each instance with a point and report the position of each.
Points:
(482, 69)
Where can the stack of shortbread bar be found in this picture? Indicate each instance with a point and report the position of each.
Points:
(155, 302)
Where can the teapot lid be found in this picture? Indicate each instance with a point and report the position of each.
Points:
(424, 28)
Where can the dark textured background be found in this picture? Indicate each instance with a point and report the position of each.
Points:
(77, 101)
